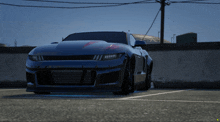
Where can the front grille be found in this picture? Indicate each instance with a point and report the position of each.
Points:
(67, 77)
(77, 57)
(30, 77)
(44, 78)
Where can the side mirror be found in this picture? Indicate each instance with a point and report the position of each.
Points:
(54, 43)
(140, 43)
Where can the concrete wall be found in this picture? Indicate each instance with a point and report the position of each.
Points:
(12, 67)
(186, 65)
(169, 65)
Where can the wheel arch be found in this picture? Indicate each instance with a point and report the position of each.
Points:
(131, 61)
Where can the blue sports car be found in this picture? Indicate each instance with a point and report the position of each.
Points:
(90, 61)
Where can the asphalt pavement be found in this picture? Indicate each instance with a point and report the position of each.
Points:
(173, 105)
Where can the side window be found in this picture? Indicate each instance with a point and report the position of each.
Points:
(132, 40)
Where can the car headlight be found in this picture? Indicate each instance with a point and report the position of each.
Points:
(36, 57)
(107, 56)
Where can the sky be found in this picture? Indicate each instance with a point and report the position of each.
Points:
(41, 26)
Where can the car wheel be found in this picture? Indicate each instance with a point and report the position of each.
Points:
(147, 83)
(156, 86)
(128, 82)
(42, 92)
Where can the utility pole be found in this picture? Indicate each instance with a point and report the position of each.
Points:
(162, 21)
(162, 2)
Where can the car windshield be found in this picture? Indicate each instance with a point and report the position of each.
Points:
(113, 37)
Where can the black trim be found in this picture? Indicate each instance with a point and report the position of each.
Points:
(97, 68)
(109, 88)
(109, 77)
(83, 75)
(30, 77)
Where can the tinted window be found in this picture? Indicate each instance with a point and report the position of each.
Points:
(114, 37)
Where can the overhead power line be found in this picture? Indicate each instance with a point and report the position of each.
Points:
(193, 2)
(52, 1)
(109, 4)
(144, 1)
(113, 5)
(151, 24)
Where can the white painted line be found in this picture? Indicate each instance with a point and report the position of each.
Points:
(182, 101)
(152, 94)
(9, 89)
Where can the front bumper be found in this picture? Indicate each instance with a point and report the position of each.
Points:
(105, 75)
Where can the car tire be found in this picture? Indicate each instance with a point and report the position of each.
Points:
(128, 82)
(42, 92)
(147, 83)
(156, 86)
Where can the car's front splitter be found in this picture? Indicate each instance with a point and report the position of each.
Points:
(111, 88)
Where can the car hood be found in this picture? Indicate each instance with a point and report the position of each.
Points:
(79, 48)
